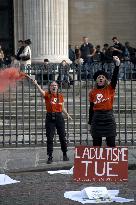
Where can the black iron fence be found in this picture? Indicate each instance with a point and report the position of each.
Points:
(22, 109)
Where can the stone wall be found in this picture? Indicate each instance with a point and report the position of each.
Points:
(34, 158)
(100, 20)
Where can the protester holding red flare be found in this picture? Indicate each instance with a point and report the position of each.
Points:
(54, 102)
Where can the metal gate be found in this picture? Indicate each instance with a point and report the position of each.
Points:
(22, 109)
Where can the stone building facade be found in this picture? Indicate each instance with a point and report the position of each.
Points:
(53, 24)
(100, 20)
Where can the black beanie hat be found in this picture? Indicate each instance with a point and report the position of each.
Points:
(28, 41)
(100, 72)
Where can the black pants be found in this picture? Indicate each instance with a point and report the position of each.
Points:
(53, 121)
(110, 141)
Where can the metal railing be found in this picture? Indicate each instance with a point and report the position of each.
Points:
(22, 109)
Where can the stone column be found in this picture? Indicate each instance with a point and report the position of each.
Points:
(18, 22)
(45, 22)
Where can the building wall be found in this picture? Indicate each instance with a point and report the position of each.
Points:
(100, 20)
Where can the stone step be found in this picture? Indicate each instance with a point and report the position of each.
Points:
(76, 108)
(38, 139)
(122, 99)
(38, 100)
(122, 114)
(38, 125)
(12, 116)
(83, 84)
(69, 131)
(77, 89)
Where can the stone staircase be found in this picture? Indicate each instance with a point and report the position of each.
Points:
(22, 114)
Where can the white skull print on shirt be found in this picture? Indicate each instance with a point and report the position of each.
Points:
(99, 98)
(53, 100)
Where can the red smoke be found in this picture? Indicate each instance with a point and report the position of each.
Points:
(9, 76)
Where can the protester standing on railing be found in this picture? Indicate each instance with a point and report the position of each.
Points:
(54, 102)
(101, 99)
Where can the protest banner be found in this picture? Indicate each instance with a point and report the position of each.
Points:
(101, 164)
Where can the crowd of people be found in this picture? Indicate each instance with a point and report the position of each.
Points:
(82, 57)
(101, 97)
(21, 58)
(90, 53)
(88, 58)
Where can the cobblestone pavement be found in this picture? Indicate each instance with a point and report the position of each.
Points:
(40, 188)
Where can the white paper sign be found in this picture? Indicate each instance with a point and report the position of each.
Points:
(86, 196)
(4, 179)
(95, 193)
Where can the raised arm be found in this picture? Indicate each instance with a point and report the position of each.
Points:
(38, 86)
(114, 78)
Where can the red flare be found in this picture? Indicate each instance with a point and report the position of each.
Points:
(9, 76)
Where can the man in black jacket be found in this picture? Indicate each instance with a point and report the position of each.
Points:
(87, 51)
(130, 53)
(117, 48)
